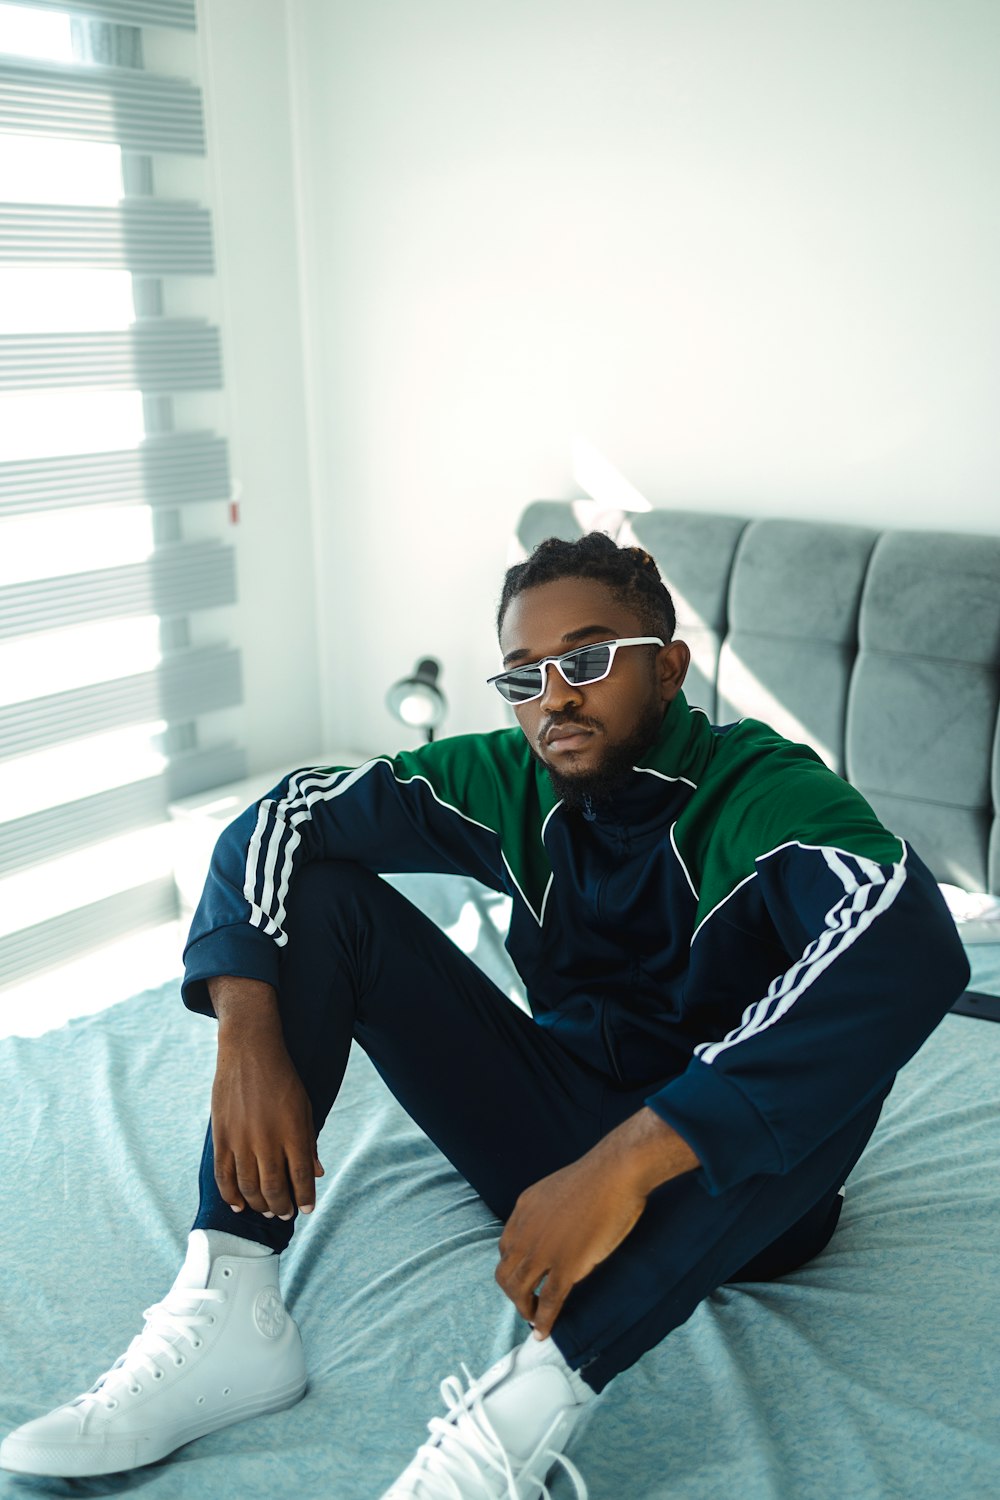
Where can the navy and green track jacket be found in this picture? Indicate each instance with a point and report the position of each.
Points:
(736, 921)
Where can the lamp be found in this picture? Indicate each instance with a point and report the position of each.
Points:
(417, 700)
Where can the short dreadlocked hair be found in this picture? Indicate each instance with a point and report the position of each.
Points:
(630, 573)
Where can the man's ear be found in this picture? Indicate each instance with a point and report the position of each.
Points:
(672, 663)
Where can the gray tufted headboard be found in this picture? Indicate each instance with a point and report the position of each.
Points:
(879, 649)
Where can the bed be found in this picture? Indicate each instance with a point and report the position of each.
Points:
(869, 1374)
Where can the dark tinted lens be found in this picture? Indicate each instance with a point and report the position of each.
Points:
(519, 686)
(587, 664)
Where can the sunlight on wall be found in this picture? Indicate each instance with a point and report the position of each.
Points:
(34, 169)
(74, 541)
(87, 875)
(38, 301)
(47, 424)
(35, 34)
(64, 773)
(56, 661)
(605, 484)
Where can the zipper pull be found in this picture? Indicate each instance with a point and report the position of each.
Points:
(588, 810)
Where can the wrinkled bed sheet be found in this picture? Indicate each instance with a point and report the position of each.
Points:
(870, 1373)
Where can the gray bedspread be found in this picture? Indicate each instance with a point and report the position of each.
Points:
(869, 1374)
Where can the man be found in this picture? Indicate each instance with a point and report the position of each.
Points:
(727, 957)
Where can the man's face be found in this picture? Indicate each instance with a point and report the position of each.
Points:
(589, 737)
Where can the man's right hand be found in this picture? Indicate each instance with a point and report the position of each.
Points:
(262, 1123)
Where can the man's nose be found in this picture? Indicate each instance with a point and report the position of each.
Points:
(557, 692)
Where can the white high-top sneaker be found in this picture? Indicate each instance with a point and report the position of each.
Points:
(220, 1347)
(502, 1436)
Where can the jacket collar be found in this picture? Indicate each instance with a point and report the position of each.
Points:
(683, 747)
(679, 754)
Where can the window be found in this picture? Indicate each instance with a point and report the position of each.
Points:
(115, 570)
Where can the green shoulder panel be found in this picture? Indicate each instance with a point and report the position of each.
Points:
(761, 791)
(493, 779)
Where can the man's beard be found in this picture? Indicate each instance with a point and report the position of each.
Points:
(615, 768)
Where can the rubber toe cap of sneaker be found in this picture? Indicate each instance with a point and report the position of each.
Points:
(54, 1445)
(63, 1425)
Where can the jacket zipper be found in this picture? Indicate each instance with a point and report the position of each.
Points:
(606, 1036)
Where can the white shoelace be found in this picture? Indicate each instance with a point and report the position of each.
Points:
(179, 1314)
(458, 1450)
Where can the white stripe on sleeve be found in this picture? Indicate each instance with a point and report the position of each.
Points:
(847, 919)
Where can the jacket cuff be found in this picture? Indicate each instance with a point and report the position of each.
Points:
(719, 1123)
(242, 951)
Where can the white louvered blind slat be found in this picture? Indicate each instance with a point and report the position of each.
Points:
(149, 239)
(159, 355)
(176, 580)
(126, 107)
(177, 468)
(136, 804)
(75, 825)
(188, 683)
(179, 14)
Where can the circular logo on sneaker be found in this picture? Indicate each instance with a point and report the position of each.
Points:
(269, 1312)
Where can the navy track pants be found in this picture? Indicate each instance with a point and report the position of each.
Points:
(507, 1104)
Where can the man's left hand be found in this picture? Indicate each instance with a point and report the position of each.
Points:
(561, 1228)
(566, 1224)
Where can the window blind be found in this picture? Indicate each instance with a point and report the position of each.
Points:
(168, 470)
(167, 356)
(125, 107)
(149, 239)
(178, 13)
(112, 675)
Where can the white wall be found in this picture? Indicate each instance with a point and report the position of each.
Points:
(244, 70)
(745, 248)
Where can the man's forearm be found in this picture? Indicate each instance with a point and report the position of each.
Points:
(245, 1007)
(646, 1150)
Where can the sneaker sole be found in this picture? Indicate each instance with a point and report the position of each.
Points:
(73, 1461)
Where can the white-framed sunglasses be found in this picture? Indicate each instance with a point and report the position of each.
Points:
(584, 665)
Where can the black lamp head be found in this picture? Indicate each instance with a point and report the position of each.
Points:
(418, 700)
